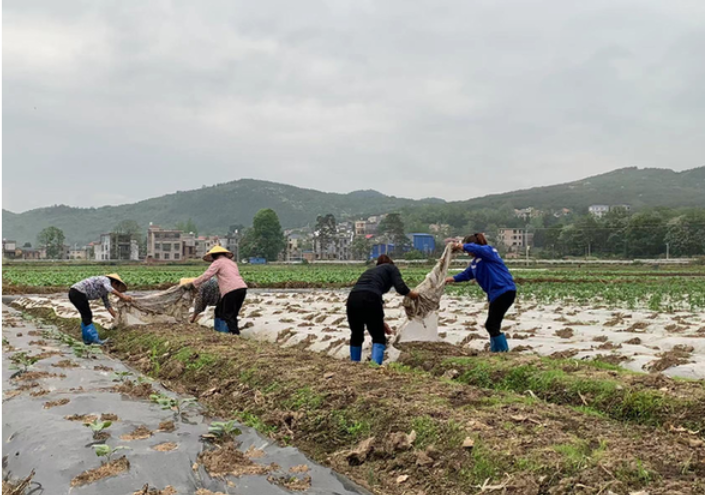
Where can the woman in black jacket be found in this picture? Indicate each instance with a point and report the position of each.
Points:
(365, 307)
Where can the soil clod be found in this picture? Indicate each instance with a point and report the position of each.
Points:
(112, 468)
(139, 433)
(56, 403)
(227, 459)
(165, 447)
(167, 426)
(292, 483)
(146, 490)
(675, 357)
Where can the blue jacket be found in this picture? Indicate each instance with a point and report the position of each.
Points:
(488, 269)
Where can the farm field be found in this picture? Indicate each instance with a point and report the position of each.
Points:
(443, 419)
(666, 288)
(602, 391)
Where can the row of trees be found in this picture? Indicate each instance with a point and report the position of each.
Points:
(648, 233)
(620, 233)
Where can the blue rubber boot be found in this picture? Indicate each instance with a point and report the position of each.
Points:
(355, 353)
(90, 335)
(499, 343)
(220, 325)
(378, 353)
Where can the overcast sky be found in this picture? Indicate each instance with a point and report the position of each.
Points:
(108, 102)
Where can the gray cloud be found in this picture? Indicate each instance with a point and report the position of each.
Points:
(112, 102)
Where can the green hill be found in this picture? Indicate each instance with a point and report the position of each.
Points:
(637, 187)
(215, 208)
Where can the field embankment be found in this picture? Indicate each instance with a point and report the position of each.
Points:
(402, 429)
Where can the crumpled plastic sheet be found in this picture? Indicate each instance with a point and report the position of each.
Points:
(169, 306)
(41, 439)
(422, 313)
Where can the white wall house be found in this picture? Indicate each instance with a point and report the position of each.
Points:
(599, 210)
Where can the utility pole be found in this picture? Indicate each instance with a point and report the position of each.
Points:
(668, 247)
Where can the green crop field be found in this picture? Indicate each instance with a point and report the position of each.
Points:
(661, 289)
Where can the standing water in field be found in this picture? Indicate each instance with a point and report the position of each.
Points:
(422, 313)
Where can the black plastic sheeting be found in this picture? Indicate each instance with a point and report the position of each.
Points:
(59, 449)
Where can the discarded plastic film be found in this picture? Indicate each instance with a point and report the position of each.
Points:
(169, 306)
(422, 313)
(53, 449)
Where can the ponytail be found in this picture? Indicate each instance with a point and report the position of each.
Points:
(475, 239)
(384, 260)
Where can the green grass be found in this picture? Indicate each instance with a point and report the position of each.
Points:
(485, 464)
(348, 426)
(577, 365)
(203, 361)
(254, 421)
(579, 454)
(184, 355)
(430, 431)
(548, 381)
(635, 473)
(305, 398)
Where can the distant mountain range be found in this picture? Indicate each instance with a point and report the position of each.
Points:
(215, 208)
(639, 188)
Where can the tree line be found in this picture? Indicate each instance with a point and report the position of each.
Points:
(619, 233)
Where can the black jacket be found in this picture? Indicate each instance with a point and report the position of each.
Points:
(380, 279)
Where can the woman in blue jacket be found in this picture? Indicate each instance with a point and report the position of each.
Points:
(492, 275)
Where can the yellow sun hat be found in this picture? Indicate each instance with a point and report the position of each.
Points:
(185, 281)
(116, 278)
(217, 250)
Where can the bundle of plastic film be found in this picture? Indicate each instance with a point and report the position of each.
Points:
(421, 323)
(168, 306)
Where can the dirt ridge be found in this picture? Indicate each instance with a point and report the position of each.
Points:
(463, 435)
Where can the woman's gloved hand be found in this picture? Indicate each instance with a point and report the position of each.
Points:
(457, 247)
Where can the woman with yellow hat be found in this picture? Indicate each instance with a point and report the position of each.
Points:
(95, 288)
(231, 285)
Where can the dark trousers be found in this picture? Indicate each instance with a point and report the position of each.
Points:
(80, 300)
(499, 308)
(365, 309)
(228, 308)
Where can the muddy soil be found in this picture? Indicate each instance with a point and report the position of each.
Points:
(351, 416)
